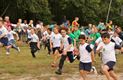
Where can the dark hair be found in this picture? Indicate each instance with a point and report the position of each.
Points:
(82, 37)
(50, 29)
(105, 35)
(64, 28)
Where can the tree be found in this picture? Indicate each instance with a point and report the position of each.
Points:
(27, 9)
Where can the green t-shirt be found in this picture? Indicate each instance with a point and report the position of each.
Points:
(77, 34)
(72, 37)
(95, 36)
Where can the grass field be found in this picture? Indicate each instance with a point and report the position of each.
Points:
(21, 66)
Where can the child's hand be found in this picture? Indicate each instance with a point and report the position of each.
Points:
(101, 48)
(64, 52)
(122, 50)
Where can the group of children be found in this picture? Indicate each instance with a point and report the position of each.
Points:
(69, 43)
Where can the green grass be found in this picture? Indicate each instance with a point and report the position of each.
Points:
(22, 64)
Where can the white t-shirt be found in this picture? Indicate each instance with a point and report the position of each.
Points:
(85, 53)
(56, 40)
(66, 42)
(117, 40)
(98, 40)
(50, 35)
(108, 52)
(34, 38)
(28, 33)
(3, 30)
(10, 35)
(24, 25)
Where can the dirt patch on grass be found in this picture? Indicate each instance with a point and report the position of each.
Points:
(54, 77)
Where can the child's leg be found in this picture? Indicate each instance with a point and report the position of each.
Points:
(113, 75)
(105, 69)
(56, 56)
(70, 56)
(84, 75)
(61, 63)
(16, 47)
(8, 49)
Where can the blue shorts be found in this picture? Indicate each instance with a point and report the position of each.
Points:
(11, 42)
(85, 66)
(56, 48)
(110, 64)
(4, 41)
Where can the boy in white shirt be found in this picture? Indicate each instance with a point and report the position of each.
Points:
(34, 43)
(108, 56)
(3, 33)
(55, 44)
(67, 50)
(86, 57)
(11, 41)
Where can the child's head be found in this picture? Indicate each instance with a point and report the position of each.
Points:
(9, 29)
(82, 39)
(49, 30)
(63, 31)
(32, 30)
(56, 29)
(105, 37)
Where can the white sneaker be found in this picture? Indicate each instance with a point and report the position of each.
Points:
(18, 49)
(93, 69)
(7, 53)
(74, 57)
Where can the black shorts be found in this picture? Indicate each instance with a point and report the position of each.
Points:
(85, 66)
(110, 64)
(4, 41)
(56, 48)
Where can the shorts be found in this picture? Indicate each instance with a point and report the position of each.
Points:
(85, 66)
(110, 64)
(56, 48)
(29, 39)
(11, 42)
(4, 41)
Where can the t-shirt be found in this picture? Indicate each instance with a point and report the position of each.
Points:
(74, 23)
(28, 33)
(85, 53)
(10, 35)
(34, 38)
(72, 37)
(3, 30)
(98, 40)
(66, 42)
(94, 36)
(77, 34)
(108, 51)
(50, 35)
(56, 40)
(116, 39)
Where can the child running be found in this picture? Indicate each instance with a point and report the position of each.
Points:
(55, 44)
(107, 49)
(86, 57)
(11, 41)
(67, 50)
(34, 43)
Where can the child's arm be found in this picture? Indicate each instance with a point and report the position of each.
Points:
(16, 34)
(92, 56)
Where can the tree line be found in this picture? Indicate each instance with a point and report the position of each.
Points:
(89, 11)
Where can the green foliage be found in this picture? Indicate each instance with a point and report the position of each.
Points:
(29, 9)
